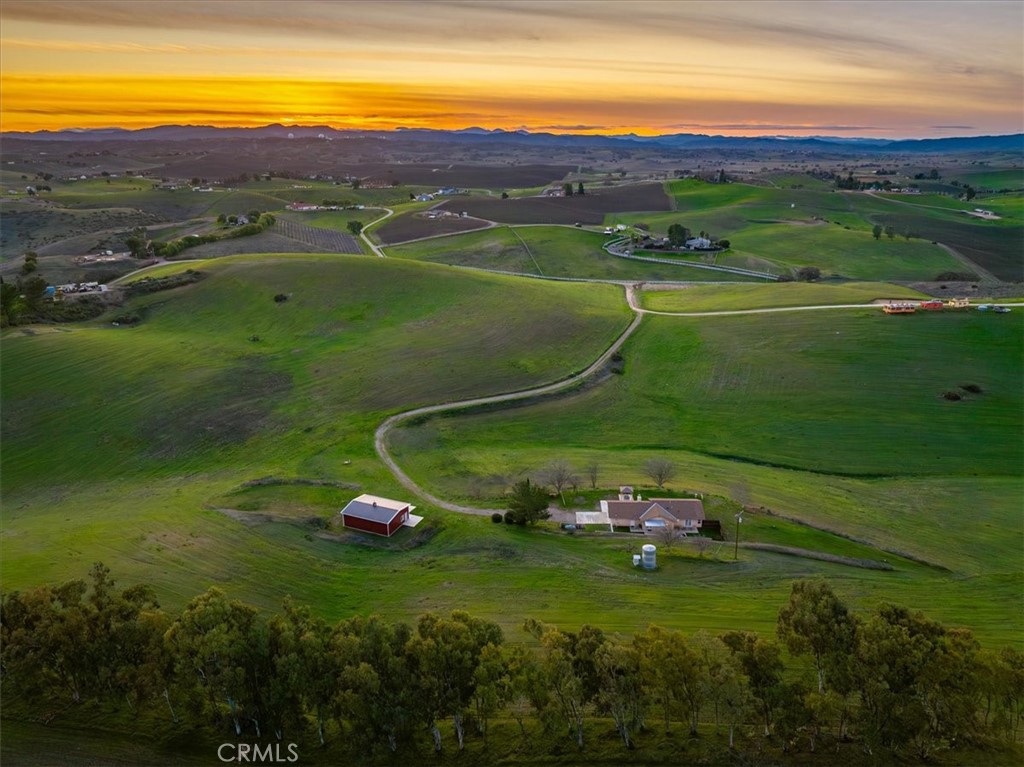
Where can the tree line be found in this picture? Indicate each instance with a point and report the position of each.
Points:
(174, 247)
(892, 680)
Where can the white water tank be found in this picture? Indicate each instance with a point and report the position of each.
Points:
(648, 557)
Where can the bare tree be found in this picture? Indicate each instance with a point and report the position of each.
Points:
(668, 536)
(559, 475)
(702, 544)
(660, 470)
(592, 472)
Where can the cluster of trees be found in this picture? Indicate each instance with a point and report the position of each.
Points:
(803, 274)
(252, 216)
(174, 247)
(31, 263)
(894, 679)
(890, 231)
(25, 295)
(566, 190)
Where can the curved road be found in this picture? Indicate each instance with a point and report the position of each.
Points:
(380, 437)
(376, 250)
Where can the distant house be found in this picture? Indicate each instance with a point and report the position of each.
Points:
(424, 197)
(648, 516)
(698, 243)
(380, 516)
(302, 206)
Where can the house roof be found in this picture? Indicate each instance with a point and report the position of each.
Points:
(374, 508)
(676, 508)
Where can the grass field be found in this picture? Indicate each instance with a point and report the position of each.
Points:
(721, 298)
(991, 178)
(787, 419)
(174, 413)
(790, 227)
(130, 445)
(551, 251)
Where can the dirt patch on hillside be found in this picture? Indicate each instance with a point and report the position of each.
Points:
(403, 540)
(226, 409)
(972, 290)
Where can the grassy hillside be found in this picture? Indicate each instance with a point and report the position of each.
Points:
(782, 412)
(851, 393)
(118, 439)
(354, 336)
(701, 298)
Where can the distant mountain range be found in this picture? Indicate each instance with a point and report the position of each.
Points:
(475, 135)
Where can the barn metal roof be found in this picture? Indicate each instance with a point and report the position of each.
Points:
(374, 508)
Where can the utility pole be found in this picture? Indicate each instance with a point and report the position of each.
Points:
(736, 549)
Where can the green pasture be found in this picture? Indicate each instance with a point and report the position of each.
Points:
(356, 336)
(130, 444)
(832, 230)
(990, 178)
(701, 298)
(928, 201)
(337, 220)
(551, 251)
(1009, 206)
(785, 411)
(795, 181)
(846, 253)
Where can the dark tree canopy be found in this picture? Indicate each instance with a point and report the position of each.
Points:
(528, 503)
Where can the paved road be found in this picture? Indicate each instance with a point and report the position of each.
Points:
(376, 250)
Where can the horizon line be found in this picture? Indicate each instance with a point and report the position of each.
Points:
(769, 132)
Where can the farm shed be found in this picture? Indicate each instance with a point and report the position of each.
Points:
(380, 516)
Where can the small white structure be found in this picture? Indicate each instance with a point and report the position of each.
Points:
(636, 560)
(648, 556)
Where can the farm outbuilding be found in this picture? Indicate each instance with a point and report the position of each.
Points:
(380, 516)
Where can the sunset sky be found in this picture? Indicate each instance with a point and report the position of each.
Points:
(890, 69)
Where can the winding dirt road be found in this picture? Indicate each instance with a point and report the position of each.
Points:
(376, 250)
(380, 437)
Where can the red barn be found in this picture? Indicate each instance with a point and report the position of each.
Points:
(380, 516)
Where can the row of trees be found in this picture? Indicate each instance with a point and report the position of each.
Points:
(174, 247)
(894, 679)
(528, 501)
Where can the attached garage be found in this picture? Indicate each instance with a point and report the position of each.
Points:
(372, 514)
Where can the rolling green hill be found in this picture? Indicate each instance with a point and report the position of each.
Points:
(833, 418)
